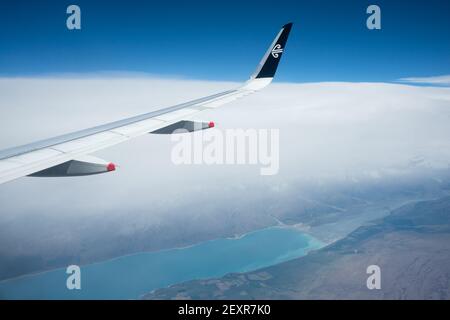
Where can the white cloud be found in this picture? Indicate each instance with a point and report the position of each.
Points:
(328, 132)
(437, 80)
(326, 129)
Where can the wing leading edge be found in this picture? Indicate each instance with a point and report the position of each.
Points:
(40, 157)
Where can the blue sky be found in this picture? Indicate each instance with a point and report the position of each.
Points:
(224, 40)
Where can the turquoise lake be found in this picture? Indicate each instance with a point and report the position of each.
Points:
(131, 276)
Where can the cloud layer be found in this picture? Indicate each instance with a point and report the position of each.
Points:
(329, 132)
(437, 80)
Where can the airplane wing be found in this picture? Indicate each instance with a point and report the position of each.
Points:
(68, 154)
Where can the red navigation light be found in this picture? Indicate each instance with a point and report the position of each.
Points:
(211, 124)
(111, 166)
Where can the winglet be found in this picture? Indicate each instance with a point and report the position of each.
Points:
(269, 63)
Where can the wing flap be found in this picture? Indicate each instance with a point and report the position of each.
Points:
(35, 156)
(139, 128)
(175, 115)
(82, 143)
(7, 165)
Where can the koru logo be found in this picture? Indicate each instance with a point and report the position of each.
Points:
(276, 50)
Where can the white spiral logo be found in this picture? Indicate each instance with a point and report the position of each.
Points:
(277, 50)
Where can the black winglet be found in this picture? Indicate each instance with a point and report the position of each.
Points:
(269, 63)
